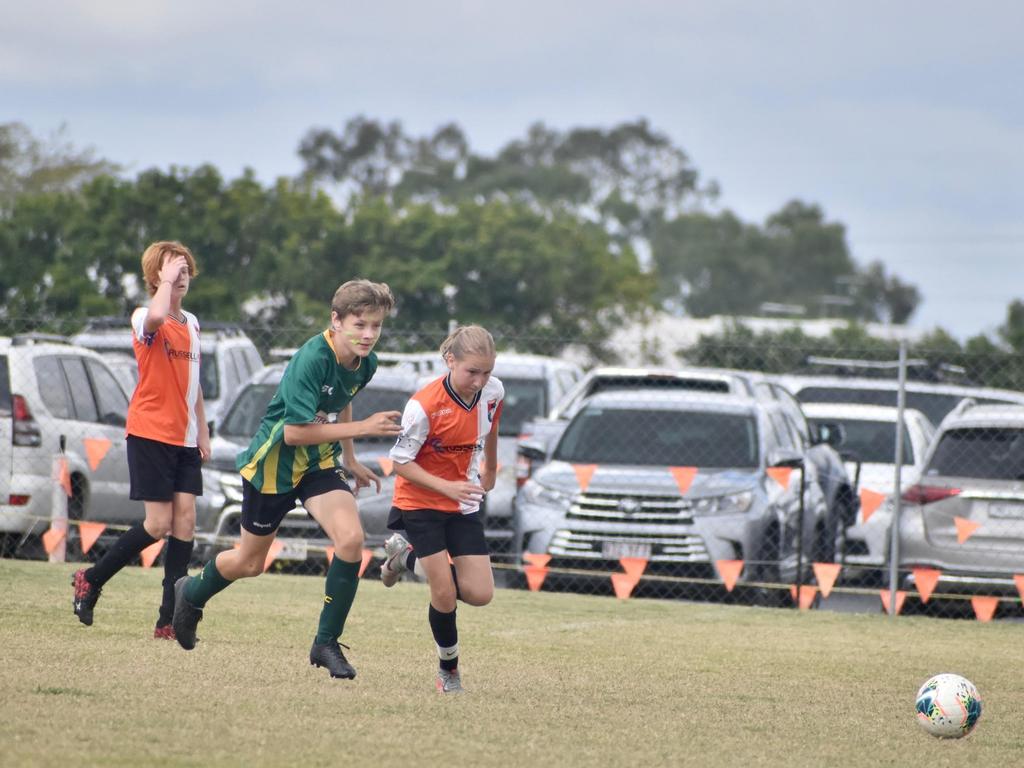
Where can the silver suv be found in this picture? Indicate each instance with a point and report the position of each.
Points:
(965, 516)
(228, 356)
(633, 504)
(59, 398)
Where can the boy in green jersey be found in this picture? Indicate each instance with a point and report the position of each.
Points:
(297, 453)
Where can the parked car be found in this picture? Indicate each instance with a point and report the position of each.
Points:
(228, 356)
(219, 510)
(533, 384)
(932, 399)
(54, 397)
(965, 517)
(633, 505)
(866, 434)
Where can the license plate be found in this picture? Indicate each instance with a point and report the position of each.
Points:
(1000, 509)
(293, 549)
(614, 550)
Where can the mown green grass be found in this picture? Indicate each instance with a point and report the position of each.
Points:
(553, 680)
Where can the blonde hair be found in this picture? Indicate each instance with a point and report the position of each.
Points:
(358, 296)
(153, 259)
(468, 340)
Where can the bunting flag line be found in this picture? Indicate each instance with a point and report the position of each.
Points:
(964, 528)
(367, 557)
(387, 465)
(684, 477)
(624, 584)
(984, 607)
(900, 597)
(95, 450)
(329, 551)
(52, 538)
(535, 575)
(634, 566)
(926, 579)
(807, 595)
(88, 533)
(870, 501)
(536, 558)
(1018, 579)
(780, 475)
(826, 574)
(149, 555)
(583, 474)
(729, 572)
(275, 549)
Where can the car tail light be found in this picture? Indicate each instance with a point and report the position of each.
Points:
(926, 494)
(18, 499)
(523, 469)
(26, 430)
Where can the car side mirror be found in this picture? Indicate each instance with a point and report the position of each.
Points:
(532, 450)
(830, 433)
(783, 457)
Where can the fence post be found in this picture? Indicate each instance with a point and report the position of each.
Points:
(894, 531)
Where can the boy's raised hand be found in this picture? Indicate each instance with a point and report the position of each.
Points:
(383, 424)
(172, 268)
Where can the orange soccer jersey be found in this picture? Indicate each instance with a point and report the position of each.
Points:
(163, 406)
(445, 436)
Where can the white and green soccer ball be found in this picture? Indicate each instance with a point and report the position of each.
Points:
(948, 706)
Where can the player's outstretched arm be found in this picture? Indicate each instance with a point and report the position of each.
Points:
(382, 424)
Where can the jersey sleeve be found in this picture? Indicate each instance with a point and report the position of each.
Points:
(139, 326)
(300, 389)
(415, 430)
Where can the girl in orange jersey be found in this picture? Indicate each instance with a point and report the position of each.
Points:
(167, 433)
(447, 428)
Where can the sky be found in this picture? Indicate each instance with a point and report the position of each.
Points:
(903, 120)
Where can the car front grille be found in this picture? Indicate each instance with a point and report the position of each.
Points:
(639, 509)
(665, 548)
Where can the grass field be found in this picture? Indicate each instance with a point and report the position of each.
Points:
(553, 680)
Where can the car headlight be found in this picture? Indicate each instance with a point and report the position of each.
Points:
(535, 493)
(730, 504)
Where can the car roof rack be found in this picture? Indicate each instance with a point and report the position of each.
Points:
(918, 368)
(35, 337)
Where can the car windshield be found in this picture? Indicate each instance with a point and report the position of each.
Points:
(524, 401)
(243, 418)
(660, 437)
(208, 378)
(932, 404)
(873, 442)
(375, 399)
(987, 453)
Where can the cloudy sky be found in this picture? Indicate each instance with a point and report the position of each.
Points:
(903, 120)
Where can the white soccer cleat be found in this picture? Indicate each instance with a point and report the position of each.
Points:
(395, 548)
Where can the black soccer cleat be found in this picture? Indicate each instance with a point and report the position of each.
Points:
(329, 655)
(186, 617)
(86, 596)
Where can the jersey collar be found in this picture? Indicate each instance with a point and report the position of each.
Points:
(329, 338)
(454, 396)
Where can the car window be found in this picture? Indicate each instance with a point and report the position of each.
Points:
(81, 390)
(524, 400)
(52, 387)
(113, 405)
(873, 442)
(565, 379)
(932, 404)
(988, 453)
(661, 438)
(245, 414)
(782, 432)
(208, 378)
(5, 386)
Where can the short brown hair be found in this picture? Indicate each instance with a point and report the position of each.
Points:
(153, 259)
(358, 296)
(468, 340)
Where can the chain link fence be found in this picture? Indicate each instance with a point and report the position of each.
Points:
(808, 474)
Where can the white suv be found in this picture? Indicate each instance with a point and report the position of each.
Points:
(56, 397)
(227, 356)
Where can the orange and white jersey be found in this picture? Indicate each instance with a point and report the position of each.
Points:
(163, 406)
(445, 436)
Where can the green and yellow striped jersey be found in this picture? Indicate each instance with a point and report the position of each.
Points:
(313, 381)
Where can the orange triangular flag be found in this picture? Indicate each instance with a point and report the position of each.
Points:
(634, 566)
(536, 558)
(780, 475)
(900, 597)
(965, 529)
(275, 550)
(807, 593)
(984, 607)
(869, 502)
(387, 466)
(329, 551)
(926, 579)
(89, 532)
(583, 474)
(535, 575)
(826, 575)
(683, 477)
(1019, 581)
(367, 557)
(64, 476)
(149, 555)
(729, 571)
(95, 449)
(624, 585)
(52, 538)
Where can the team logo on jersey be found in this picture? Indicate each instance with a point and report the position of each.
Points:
(353, 391)
(492, 406)
(327, 389)
(180, 354)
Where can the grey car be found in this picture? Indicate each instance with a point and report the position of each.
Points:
(633, 504)
(965, 517)
(219, 510)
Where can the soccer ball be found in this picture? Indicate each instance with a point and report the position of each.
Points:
(948, 706)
